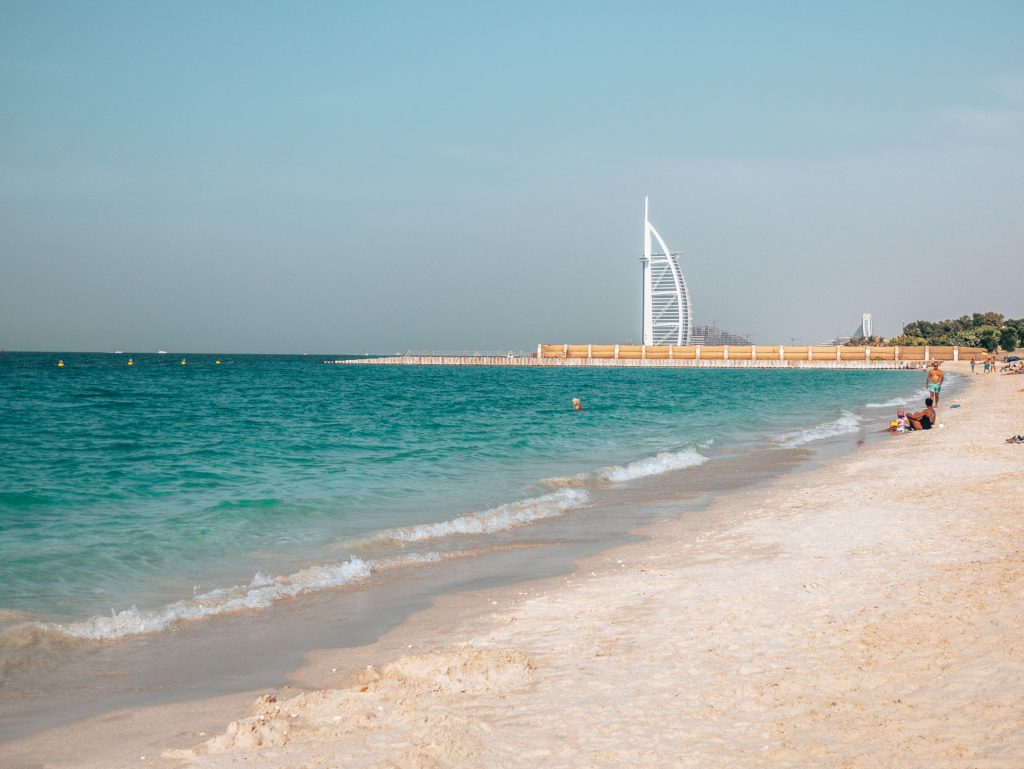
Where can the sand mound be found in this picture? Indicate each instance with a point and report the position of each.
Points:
(405, 714)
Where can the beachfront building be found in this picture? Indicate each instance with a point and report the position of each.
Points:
(667, 314)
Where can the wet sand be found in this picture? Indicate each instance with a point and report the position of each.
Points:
(866, 613)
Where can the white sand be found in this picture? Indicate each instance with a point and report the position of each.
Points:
(866, 614)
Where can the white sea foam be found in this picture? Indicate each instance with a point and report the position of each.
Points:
(495, 519)
(846, 423)
(260, 593)
(917, 397)
(664, 462)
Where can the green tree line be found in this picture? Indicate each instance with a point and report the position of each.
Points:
(982, 329)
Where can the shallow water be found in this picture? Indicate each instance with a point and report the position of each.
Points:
(132, 497)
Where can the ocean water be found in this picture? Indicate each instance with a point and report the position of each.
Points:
(133, 499)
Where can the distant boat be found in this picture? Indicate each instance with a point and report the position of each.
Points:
(118, 352)
(161, 352)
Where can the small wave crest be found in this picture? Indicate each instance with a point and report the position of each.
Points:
(29, 645)
(846, 423)
(27, 635)
(494, 519)
(920, 395)
(664, 462)
(260, 593)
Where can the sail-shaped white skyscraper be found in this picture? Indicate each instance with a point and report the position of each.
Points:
(668, 317)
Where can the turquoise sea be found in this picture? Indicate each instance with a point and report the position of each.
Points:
(133, 499)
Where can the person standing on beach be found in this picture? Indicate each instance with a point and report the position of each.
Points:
(934, 380)
(973, 364)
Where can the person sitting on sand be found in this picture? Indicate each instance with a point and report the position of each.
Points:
(934, 379)
(924, 419)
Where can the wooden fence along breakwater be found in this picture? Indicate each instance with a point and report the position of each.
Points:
(697, 356)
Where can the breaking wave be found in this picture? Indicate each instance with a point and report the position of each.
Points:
(495, 519)
(260, 593)
(664, 462)
(263, 591)
(846, 423)
(917, 397)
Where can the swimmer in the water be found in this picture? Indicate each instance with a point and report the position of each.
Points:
(577, 406)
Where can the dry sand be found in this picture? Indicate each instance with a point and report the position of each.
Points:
(866, 614)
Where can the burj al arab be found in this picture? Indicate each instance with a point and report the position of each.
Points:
(667, 313)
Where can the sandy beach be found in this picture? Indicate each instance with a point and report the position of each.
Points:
(865, 613)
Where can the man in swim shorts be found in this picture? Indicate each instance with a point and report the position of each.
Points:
(935, 379)
(923, 420)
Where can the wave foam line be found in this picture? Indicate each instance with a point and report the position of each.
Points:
(495, 519)
(846, 423)
(260, 593)
(664, 462)
(917, 397)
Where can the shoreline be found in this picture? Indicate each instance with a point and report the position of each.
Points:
(676, 543)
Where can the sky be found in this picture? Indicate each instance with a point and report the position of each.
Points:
(384, 177)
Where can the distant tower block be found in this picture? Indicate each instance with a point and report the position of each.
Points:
(668, 315)
(864, 330)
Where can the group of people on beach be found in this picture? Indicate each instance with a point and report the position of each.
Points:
(925, 419)
(989, 365)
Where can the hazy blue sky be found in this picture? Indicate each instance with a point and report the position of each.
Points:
(290, 177)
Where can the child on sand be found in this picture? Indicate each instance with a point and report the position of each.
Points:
(902, 423)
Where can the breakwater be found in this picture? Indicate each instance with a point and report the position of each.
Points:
(696, 356)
